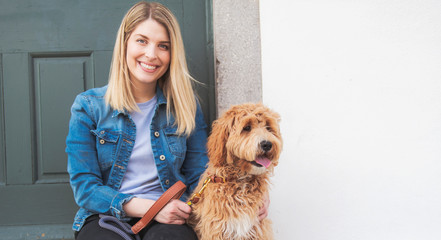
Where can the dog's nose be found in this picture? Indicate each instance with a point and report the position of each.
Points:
(266, 146)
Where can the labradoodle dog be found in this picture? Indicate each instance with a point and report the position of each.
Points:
(243, 148)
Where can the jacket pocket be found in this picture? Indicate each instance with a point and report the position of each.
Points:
(176, 144)
(106, 145)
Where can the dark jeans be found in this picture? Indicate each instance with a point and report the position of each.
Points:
(91, 230)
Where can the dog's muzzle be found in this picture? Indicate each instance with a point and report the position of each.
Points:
(262, 160)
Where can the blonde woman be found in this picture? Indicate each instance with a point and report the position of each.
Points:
(130, 141)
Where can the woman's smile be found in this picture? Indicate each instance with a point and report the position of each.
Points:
(148, 67)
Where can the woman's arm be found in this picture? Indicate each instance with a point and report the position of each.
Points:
(83, 164)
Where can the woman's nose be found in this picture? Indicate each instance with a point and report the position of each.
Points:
(150, 51)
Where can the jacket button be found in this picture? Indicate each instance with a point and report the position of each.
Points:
(156, 134)
(102, 141)
(162, 157)
(167, 182)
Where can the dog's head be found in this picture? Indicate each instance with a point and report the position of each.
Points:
(248, 137)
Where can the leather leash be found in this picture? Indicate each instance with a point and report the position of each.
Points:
(174, 192)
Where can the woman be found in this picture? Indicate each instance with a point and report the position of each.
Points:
(130, 141)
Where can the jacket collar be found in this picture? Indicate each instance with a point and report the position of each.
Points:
(161, 99)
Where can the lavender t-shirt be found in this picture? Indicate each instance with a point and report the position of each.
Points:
(141, 178)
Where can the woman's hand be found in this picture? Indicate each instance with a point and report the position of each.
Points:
(263, 211)
(175, 212)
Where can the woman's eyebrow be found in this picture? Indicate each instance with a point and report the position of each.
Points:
(145, 37)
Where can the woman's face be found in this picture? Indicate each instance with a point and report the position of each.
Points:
(148, 53)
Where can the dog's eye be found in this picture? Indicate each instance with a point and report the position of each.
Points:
(247, 128)
(269, 128)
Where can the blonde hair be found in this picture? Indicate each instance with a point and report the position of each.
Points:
(176, 83)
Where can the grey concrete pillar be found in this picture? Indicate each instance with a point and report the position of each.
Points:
(236, 26)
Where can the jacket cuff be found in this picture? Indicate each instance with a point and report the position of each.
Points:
(118, 201)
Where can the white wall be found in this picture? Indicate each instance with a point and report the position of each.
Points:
(358, 86)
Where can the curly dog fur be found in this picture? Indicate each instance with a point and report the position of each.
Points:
(243, 147)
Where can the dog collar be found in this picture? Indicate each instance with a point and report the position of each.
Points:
(217, 179)
(197, 196)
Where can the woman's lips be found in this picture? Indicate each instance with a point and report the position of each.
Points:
(148, 67)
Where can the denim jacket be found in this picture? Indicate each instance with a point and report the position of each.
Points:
(99, 145)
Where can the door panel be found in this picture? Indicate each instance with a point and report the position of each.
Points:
(37, 204)
(59, 78)
(51, 50)
(2, 131)
(17, 120)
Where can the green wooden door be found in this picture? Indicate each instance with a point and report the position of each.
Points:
(51, 50)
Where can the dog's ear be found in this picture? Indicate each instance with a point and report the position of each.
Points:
(217, 152)
(274, 119)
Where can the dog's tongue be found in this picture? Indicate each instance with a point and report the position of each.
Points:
(264, 162)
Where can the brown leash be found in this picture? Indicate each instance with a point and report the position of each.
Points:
(174, 192)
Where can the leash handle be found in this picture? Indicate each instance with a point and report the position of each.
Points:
(122, 228)
(174, 192)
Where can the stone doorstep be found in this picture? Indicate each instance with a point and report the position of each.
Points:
(33, 232)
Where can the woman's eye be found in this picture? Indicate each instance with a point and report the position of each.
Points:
(141, 41)
(163, 46)
(247, 128)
